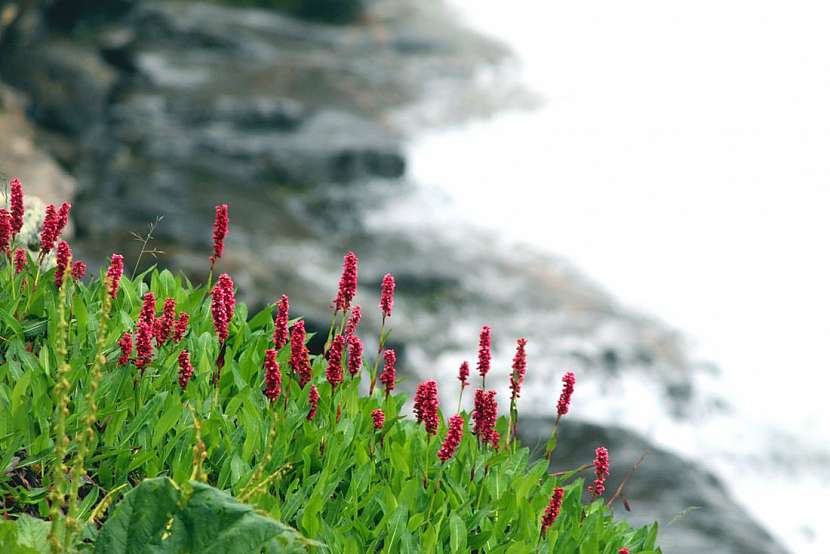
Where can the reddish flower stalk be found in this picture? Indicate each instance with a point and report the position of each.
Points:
(222, 306)
(377, 418)
(484, 416)
(334, 371)
(126, 344)
(63, 217)
(62, 261)
(220, 230)
(569, 380)
(225, 284)
(454, 435)
(348, 283)
(78, 270)
(20, 259)
(281, 324)
(5, 229)
(114, 273)
(180, 328)
(185, 369)
(354, 321)
(313, 399)
(148, 309)
(355, 361)
(426, 405)
(552, 510)
(49, 232)
(273, 377)
(622, 550)
(600, 470)
(144, 345)
(519, 369)
(16, 204)
(387, 295)
(166, 321)
(387, 376)
(463, 373)
(484, 352)
(299, 354)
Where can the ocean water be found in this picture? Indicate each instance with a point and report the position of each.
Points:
(679, 154)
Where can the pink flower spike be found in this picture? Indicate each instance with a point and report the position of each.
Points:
(114, 273)
(299, 354)
(552, 510)
(355, 361)
(313, 399)
(220, 230)
(426, 405)
(484, 351)
(387, 376)
(78, 270)
(63, 217)
(377, 418)
(463, 373)
(622, 550)
(5, 229)
(126, 344)
(148, 309)
(517, 377)
(144, 345)
(354, 321)
(600, 470)
(167, 321)
(49, 231)
(180, 328)
(454, 435)
(273, 377)
(564, 403)
(16, 204)
(348, 283)
(185, 369)
(62, 262)
(334, 371)
(387, 295)
(20, 260)
(281, 324)
(484, 415)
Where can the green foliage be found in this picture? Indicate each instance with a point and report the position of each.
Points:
(335, 479)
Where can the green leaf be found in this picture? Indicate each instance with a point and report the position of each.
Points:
(26, 535)
(458, 534)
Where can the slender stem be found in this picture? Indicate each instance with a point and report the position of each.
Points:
(374, 374)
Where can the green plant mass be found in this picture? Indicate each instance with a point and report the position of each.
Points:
(146, 414)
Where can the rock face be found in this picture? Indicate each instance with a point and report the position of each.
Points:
(165, 109)
(693, 509)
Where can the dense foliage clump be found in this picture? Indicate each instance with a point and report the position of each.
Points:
(146, 414)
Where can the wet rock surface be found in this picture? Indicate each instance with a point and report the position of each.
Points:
(165, 109)
(691, 505)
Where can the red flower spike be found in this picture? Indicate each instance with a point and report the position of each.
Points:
(299, 354)
(484, 416)
(552, 510)
(387, 295)
(220, 230)
(387, 376)
(63, 217)
(484, 351)
(622, 550)
(454, 435)
(222, 305)
(144, 345)
(62, 261)
(377, 418)
(181, 327)
(569, 381)
(148, 309)
(281, 324)
(600, 470)
(273, 377)
(5, 229)
(334, 371)
(426, 405)
(49, 231)
(313, 399)
(463, 373)
(78, 270)
(166, 321)
(16, 204)
(354, 321)
(126, 344)
(114, 273)
(519, 368)
(20, 259)
(348, 283)
(355, 361)
(225, 284)
(185, 369)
